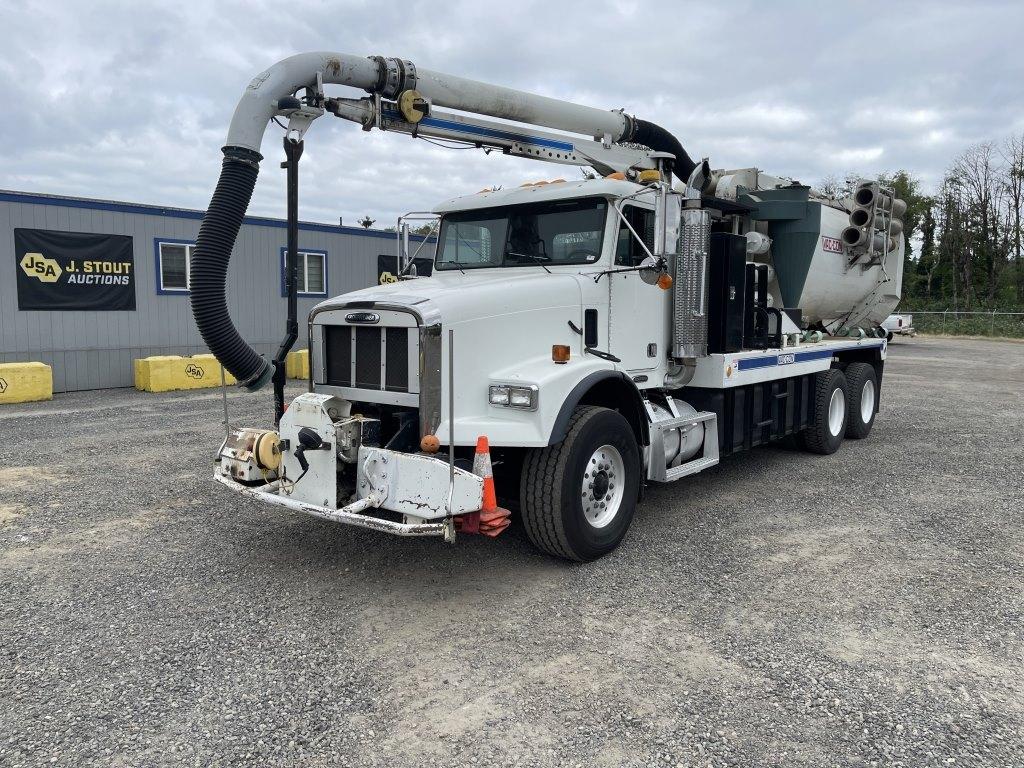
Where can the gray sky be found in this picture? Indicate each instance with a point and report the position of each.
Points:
(131, 100)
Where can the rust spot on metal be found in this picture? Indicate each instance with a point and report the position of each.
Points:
(333, 65)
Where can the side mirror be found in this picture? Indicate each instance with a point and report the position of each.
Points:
(654, 271)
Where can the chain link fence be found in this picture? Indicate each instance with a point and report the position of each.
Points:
(959, 323)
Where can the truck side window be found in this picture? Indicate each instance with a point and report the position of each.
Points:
(628, 252)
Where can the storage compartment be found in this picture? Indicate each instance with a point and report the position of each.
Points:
(726, 291)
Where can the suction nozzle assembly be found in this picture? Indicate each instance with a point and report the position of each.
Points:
(875, 222)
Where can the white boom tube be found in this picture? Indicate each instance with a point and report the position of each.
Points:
(259, 103)
(510, 104)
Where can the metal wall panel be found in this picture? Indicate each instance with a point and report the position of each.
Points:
(93, 350)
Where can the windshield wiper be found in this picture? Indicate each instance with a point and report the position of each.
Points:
(533, 256)
(455, 262)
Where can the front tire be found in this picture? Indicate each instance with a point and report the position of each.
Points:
(825, 433)
(578, 497)
(862, 388)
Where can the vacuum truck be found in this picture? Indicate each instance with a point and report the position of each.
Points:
(580, 339)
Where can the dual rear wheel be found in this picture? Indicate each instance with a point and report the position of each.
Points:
(843, 405)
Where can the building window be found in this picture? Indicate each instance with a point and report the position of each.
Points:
(173, 259)
(312, 273)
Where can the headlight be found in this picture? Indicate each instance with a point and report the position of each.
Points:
(498, 395)
(513, 396)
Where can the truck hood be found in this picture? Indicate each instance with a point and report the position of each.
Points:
(475, 295)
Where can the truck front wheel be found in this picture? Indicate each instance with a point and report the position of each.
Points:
(578, 497)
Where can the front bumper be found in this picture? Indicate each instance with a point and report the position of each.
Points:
(353, 514)
(423, 490)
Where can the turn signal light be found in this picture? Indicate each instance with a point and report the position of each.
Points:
(664, 281)
(560, 353)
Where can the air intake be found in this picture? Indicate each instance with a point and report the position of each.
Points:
(689, 287)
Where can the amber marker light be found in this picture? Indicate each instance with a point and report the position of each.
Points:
(560, 353)
(664, 281)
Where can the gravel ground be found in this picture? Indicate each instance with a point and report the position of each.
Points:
(780, 609)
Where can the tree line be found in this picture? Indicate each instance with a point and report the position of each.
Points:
(964, 243)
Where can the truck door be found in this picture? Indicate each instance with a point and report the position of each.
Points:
(638, 312)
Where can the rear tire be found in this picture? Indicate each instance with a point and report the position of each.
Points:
(862, 399)
(577, 498)
(825, 433)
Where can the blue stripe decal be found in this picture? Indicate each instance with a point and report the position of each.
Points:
(751, 363)
(476, 130)
(184, 213)
(788, 358)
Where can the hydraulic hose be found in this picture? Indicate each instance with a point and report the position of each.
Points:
(209, 269)
(657, 138)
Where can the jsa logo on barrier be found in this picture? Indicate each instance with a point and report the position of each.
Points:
(194, 371)
(38, 266)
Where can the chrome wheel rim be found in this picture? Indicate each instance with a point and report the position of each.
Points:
(603, 486)
(836, 411)
(867, 401)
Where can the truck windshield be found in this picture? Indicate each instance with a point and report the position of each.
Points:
(558, 232)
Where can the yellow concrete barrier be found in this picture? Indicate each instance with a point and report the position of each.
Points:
(25, 382)
(296, 365)
(166, 373)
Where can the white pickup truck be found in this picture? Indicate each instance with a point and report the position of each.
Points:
(899, 324)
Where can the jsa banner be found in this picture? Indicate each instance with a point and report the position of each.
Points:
(74, 270)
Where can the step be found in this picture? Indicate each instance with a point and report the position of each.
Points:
(690, 468)
(683, 421)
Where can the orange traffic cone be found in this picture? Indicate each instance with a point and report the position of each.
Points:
(491, 519)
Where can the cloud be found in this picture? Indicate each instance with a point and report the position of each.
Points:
(132, 101)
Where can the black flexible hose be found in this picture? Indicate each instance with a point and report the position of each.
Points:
(657, 138)
(209, 269)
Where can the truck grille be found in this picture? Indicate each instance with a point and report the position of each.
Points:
(367, 357)
(396, 359)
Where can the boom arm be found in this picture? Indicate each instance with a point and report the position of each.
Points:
(271, 93)
(532, 144)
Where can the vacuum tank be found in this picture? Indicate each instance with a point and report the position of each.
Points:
(840, 261)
